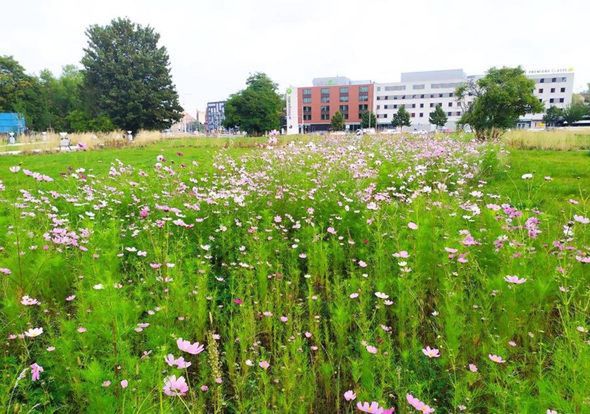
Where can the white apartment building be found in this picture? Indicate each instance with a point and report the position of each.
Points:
(421, 92)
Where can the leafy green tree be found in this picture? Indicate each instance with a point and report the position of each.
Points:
(438, 117)
(127, 76)
(14, 83)
(501, 97)
(256, 109)
(552, 116)
(401, 118)
(574, 112)
(368, 120)
(20, 92)
(337, 123)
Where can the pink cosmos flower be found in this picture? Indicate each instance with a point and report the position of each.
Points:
(515, 280)
(33, 332)
(106, 384)
(175, 387)
(496, 358)
(419, 405)
(5, 271)
(372, 408)
(186, 346)
(472, 367)
(81, 329)
(431, 352)
(204, 388)
(29, 301)
(180, 362)
(36, 371)
(124, 384)
(264, 364)
(371, 349)
(349, 395)
(412, 225)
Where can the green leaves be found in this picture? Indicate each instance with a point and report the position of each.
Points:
(256, 109)
(438, 117)
(501, 97)
(401, 118)
(128, 76)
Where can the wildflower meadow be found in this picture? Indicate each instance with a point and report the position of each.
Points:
(406, 274)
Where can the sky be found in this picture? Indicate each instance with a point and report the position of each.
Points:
(215, 44)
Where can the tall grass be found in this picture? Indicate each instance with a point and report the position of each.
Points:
(560, 139)
(306, 269)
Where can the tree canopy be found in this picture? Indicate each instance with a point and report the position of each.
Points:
(337, 123)
(438, 117)
(127, 76)
(401, 118)
(256, 109)
(501, 97)
(553, 116)
(368, 120)
(574, 112)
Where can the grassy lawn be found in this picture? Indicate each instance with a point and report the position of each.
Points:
(214, 275)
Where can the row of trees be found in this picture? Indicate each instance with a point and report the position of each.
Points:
(124, 83)
(569, 115)
(399, 120)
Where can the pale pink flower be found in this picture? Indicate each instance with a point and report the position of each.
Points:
(175, 387)
(472, 367)
(204, 388)
(81, 329)
(29, 301)
(124, 384)
(180, 362)
(372, 408)
(186, 346)
(412, 225)
(5, 271)
(371, 349)
(36, 371)
(264, 364)
(431, 352)
(496, 358)
(106, 384)
(33, 332)
(419, 405)
(354, 295)
(515, 280)
(349, 395)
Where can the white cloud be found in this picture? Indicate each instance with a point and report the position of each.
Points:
(215, 44)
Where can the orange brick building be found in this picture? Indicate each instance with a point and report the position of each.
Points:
(317, 104)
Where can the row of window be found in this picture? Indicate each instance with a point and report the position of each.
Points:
(553, 80)
(423, 96)
(419, 115)
(419, 86)
(432, 105)
(552, 90)
(325, 111)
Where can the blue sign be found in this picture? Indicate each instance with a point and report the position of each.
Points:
(11, 122)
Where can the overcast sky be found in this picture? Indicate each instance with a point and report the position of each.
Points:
(215, 44)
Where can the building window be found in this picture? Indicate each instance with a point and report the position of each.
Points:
(458, 113)
(418, 86)
(344, 111)
(421, 105)
(395, 106)
(378, 88)
(432, 104)
(363, 108)
(449, 114)
(562, 90)
(553, 79)
(413, 115)
(552, 90)
(343, 98)
(325, 112)
(541, 90)
(306, 100)
(542, 80)
(307, 91)
(421, 115)
(551, 100)
(364, 89)
(450, 104)
(561, 100)
(307, 113)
